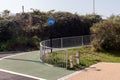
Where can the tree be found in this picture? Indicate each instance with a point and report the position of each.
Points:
(6, 13)
(107, 34)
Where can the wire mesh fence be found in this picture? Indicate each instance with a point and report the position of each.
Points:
(61, 44)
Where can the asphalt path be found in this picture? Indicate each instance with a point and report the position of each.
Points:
(9, 76)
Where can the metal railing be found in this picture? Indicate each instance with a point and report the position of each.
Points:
(63, 43)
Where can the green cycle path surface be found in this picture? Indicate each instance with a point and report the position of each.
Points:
(30, 64)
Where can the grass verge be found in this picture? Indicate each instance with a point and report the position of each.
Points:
(88, 57)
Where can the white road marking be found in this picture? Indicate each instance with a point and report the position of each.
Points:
(25, 75)
(15, 55)
(11, 72)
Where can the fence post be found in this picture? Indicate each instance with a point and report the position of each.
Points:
(66, 58)
(61, 42)
(44, 48)
(82, 41)
(40, 50)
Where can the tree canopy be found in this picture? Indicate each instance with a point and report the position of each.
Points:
(26, 30)
(107, 34)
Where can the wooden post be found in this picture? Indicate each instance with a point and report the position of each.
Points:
(71, 58)
(77, 57)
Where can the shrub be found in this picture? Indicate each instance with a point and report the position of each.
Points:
(107, 34)
(21, 43)
(3, 47)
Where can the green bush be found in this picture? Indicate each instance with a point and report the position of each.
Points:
(21, 43)
(24, 31)
(3, 47)
(56, 59)
(107, 34)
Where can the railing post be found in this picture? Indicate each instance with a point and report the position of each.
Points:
(40, 50)
(44, 48)
(61, 42)
(66, 58)
(82, 41)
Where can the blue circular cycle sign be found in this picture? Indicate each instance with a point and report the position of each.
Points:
(51, 21)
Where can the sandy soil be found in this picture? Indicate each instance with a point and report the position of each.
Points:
(100, 71)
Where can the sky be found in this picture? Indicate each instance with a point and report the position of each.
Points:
(104, 8)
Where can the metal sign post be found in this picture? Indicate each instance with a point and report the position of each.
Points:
(51, 22)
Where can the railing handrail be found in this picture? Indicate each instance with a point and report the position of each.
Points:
(58, 38)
